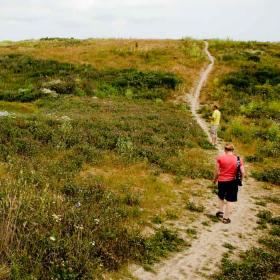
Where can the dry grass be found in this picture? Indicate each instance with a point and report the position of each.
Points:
(58, 174)
(18, 107)
(157, 55)
(158, 194)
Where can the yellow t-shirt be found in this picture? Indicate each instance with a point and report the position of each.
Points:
(216, 117)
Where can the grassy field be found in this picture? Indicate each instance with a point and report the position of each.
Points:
(246, 84)
(261, 261)
(93, 154)
(97, 162)
(184, 57)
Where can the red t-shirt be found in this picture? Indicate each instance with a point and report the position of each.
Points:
(228, 167)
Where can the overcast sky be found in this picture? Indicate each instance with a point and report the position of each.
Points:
(234, 19)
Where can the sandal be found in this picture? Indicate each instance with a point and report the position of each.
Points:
(219, 214)
(226, 221)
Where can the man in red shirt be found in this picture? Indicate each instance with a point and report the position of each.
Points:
(226, 170)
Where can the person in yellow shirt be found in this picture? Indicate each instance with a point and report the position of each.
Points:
(215, 122)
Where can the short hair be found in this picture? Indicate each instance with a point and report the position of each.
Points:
(229, 147)
(216, 106)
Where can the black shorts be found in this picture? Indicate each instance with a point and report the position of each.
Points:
(228, 191)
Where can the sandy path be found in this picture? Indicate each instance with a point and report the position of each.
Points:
(205, 254)
(194, 97)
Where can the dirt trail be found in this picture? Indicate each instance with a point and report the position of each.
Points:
(204, 256)
(194, 97)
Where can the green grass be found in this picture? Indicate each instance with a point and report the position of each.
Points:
(74, 227)
(114, 126)
(77, 154)
(191, 206)
(191, 232)
(257, 263)
(33, 78)
(229, 246)
(159, 245)
(245, 84)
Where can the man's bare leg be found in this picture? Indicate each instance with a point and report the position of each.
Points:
(214, 139)
(221, 205)
(228, 210)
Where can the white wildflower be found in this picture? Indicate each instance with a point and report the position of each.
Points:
(52, 238)
(4, 113)
(96, 221)
(57, 218)
(65, 118)
(79, 227)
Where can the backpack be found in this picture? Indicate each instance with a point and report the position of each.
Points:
(238, 176)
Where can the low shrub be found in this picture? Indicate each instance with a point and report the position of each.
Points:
(257, 263)
(191, 206)
(81, 237)
(65, 86)
(247, 78)
(31, 75)
(271, 175)
(159, 244)
(21, 95)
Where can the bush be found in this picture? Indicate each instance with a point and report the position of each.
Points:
(193, 207)
(66, 86)
(256, 264)
(237, 129)
(159, 244)
(270, 149)
(271, 175)
(247, 78)
(30, 75)
(22, 95)
(192, 49)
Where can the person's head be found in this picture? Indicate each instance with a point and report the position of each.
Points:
(215, 107)
(229, 148)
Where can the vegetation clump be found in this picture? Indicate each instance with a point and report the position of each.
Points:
(248, 95)
(67, 208)
(65, 226)
(31, 78)
(259, 262)
(191, 206)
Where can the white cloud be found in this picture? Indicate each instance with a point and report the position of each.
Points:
(238, 19)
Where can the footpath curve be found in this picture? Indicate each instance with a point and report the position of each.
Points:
(204, 256)
(194, 97)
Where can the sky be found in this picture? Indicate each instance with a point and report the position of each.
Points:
(226, 19)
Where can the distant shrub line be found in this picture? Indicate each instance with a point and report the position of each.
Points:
(26, 79)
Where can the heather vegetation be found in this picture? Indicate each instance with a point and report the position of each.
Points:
(34, 78)
(82, 151)
(97, 162)
(261, 262)
(246, 84)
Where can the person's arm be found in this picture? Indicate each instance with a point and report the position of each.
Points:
(213, 116)
(242, 169)
(217, 172)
